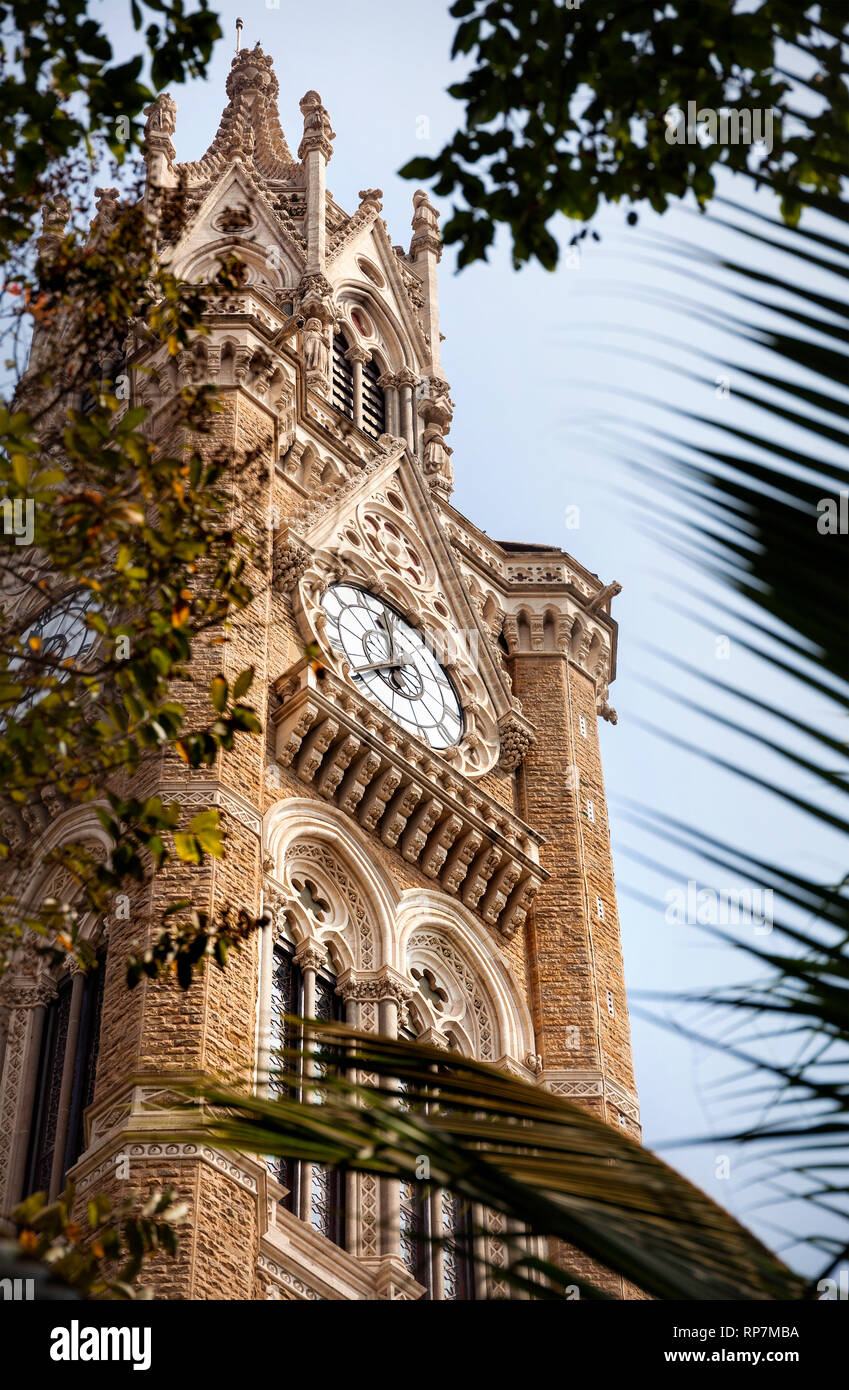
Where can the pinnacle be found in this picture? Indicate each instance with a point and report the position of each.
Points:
(250, 127)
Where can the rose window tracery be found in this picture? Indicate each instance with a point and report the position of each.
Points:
(389, 542)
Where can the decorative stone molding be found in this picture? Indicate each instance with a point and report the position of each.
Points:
(184, 1152)
(429, 813)
(365, 216)
(392, 1280)
(516, 737)
(280, 1278)
(197, 794)
(592, 1085)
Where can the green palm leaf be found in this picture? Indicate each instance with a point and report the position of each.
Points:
(511, 1146)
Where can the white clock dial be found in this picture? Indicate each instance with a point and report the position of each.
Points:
(62, 630)
(392, 664)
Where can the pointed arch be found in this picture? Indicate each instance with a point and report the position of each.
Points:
(496, 1002)
(301, 821)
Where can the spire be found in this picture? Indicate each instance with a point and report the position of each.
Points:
(250, 127)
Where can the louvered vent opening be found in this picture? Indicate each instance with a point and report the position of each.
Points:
(343, 378)
(374, 406)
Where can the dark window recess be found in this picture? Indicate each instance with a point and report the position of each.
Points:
(374, 406)
(415, 1248)
(45, 1116)
(457, 1264)
(104, 375)
(85, 1062)
(343, 378)
(285, 999)
(421, 1210)
(327, 1186)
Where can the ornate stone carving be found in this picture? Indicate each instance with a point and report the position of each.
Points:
(416, 807)
(603, 708)
(425, 224)
(108, 208)
(290, 559)
(318, 132)
(515, 739)
(436, 459)
(316, 350)
(314, 298)
(160, 124)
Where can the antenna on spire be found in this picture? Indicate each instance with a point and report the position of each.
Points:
(239, 27)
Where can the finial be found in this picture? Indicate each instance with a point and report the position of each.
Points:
(239, 27)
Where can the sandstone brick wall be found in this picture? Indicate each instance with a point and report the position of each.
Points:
(574, 957)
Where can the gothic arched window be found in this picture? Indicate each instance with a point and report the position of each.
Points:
(67, 1069)
(435, 1232)
(314, 1192)
(343, 377)
(374, 405)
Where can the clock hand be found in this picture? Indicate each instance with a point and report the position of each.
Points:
(378, 666)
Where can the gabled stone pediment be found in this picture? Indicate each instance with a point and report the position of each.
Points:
(234, 216)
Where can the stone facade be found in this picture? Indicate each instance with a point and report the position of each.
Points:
(464, 892)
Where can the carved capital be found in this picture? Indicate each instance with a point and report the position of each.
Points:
(374, 986)
(311, 954)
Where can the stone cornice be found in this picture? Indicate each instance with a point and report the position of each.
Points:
(591, 1084)
(396, 787)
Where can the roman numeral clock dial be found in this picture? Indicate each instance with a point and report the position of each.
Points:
(392, 664)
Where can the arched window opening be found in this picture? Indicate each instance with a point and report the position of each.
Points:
(374, 403)
(435, 1230)
(343, 377)
(105, 376)
(67, 1071)
(458, 1284)
(313, 1192)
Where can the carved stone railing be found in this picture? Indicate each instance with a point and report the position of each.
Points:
(393, 786)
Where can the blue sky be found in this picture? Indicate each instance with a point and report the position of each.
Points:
(535, 361)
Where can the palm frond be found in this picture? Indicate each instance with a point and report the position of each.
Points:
(505, 1143)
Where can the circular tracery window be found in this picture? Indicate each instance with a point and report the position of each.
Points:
(387, 539)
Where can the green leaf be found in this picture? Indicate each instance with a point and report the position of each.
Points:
(218, 691)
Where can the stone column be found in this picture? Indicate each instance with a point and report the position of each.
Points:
(315, 150)
(68, 1067)
(309, 955)
(390, 1187)
(406, 380)
(358, 356)
(266, 965)
(425, 253)
(389, 386)
(26, 1031)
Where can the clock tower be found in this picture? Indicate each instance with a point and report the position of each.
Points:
(425, 824)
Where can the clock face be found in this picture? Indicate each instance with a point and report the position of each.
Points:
(392, 664)
(62, 629)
